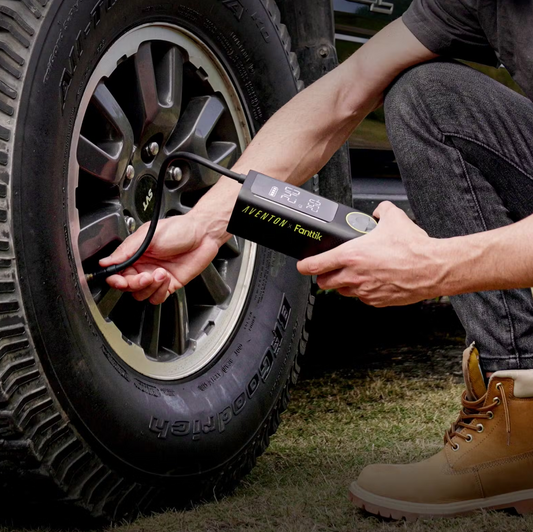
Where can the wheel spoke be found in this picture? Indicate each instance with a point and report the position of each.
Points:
(108, 106)
(223, 153)
(172, 201)
(109, 302)
(215, 284)
(160, 90)
(231, 248)
(101, 227)
(179, 322)
(196, 125)
(107, 158)
(150, 328)
(169, 74)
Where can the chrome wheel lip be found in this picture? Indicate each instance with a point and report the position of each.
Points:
(226, 319)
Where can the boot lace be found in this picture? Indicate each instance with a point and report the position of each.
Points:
(476, 410)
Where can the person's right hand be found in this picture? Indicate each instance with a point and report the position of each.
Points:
(180, 250)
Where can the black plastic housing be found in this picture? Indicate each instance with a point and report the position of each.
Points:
(285, 229)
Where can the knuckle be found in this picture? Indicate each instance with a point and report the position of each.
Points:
(312, 266)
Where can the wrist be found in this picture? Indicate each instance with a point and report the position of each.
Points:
(455, 266)
(213, 212)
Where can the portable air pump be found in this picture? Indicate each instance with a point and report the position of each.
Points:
(274, 214)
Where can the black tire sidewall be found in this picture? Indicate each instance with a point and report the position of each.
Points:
(144, 427)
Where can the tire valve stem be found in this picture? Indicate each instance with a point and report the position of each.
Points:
(104, 273)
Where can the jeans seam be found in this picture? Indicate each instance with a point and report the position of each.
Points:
(501, 292)
(487, 147)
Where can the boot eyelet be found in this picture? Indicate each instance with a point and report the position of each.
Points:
(490, 414)
(469, 438)
(480, 427)
(455, 447)
(497, 400)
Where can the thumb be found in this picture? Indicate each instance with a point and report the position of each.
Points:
(384, 209)
(126, 250)
(323, 263)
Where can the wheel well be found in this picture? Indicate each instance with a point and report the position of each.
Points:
(311, 26)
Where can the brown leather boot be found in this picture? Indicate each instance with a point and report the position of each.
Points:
(487, 460)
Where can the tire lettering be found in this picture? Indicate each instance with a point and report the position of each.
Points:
(239, 404)
(199, 427)
(253, 385)
(159, 427)
(147, 388)
(60, 37)
(208, 383)
(261, 25)
(224, 418)
(235, 6)
(284, 313)
(226, 367)
(283, 364)
(266, 365)
(209, 426)
(181, 428)
(276, 342)
(115, 365)
(101, 7)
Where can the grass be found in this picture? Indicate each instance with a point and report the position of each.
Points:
(391, 403)
(370, 134)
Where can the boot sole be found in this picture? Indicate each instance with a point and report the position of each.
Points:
(521, 501)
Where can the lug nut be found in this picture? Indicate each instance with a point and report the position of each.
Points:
(130, 172)
(131, 224)
(152, 149)
(174, 173)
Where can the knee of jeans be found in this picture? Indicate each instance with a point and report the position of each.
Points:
(414, 94)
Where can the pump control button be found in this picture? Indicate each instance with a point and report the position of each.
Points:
(360, 222)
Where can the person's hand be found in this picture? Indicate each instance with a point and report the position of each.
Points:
(180, 250)
(392, 265)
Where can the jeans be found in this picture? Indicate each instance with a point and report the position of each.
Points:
(464, 146)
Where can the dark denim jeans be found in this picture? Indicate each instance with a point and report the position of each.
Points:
(464, 145)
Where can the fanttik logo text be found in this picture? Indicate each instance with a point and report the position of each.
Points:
(281, 222)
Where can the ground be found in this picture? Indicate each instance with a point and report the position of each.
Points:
(377, 385)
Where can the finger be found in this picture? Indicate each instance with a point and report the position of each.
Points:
(161, 294)
(347, 291)
(117, 282)
(335, 280)
(138, 281)
(159, 278)
(323, 263)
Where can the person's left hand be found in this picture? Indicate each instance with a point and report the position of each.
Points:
(395, 264)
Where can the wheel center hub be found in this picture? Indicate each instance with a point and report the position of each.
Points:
(145, 197)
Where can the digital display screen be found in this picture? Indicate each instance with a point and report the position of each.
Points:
(295, 198)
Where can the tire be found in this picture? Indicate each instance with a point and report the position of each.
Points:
(98, 411)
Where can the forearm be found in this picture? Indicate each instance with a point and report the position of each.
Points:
(302, 136)
(495, 260)
(295, 143)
